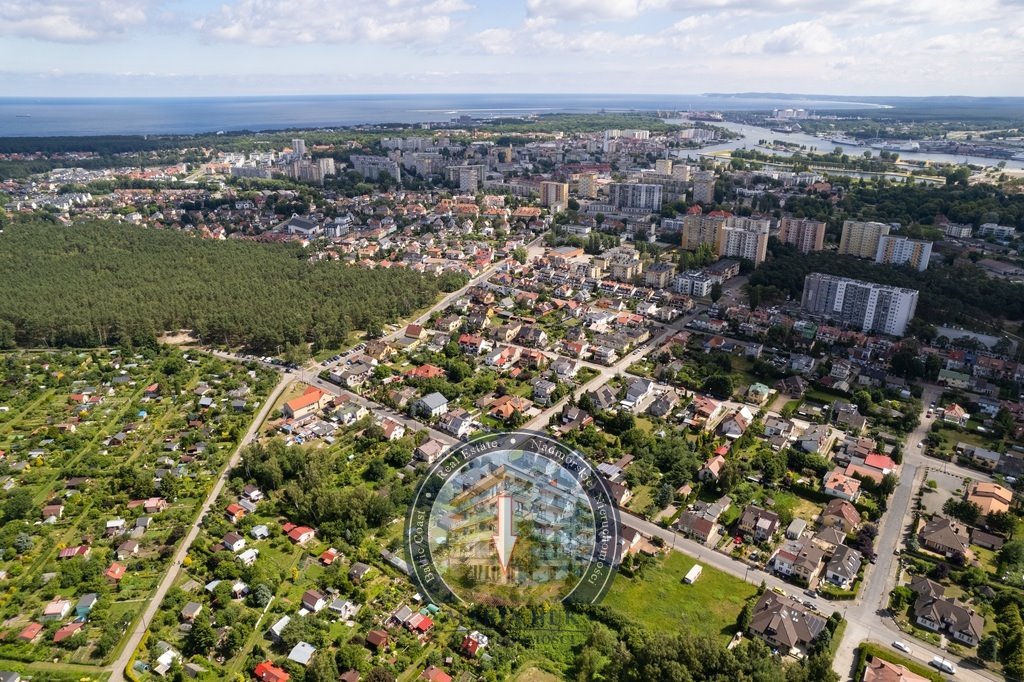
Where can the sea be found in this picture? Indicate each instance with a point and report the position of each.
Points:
(45, 117)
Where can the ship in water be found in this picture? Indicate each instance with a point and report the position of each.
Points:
(885, 145)
(842, 139)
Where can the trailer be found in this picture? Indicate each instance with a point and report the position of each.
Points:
(692, 575)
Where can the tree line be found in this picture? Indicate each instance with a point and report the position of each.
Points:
(100, 283)
(946, 293)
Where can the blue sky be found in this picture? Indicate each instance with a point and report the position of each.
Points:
(236, 47)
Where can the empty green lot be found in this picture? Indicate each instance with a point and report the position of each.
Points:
(661, 601)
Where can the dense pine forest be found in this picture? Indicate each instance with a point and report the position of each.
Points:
(98, 283)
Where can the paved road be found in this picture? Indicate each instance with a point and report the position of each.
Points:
(867, 615)
(172, 573)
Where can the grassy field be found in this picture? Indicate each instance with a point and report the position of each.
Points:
(534, 674)
(661, 601)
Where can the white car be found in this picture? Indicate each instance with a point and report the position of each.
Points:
(901, 646)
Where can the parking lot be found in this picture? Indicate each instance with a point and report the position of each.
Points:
(948, 485)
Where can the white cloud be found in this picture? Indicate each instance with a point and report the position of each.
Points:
(286, 22)
(584, 10)
(804, 37)
(72, 21)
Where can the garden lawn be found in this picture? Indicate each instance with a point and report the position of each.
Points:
(661, 601)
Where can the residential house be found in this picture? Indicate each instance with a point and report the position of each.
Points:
(935, 612)
(260, 532)
(85, 604)
(828, 539)
(711, 469)
(393, 429)
(430, 406)
(663, 405)
(795, 529)
(56, 609)
(248, 557)
(544, 391)
(943, 536)
(275, 630)
(234, 513)
(816, 439)
(435, 674)
(358, 571)
(299, 535)
(268, 672)
(233, 542)
(343, 608)
(843, 567)
(377, 639)
(639, 389)
(758, 523)
(429, 450)
(127, 550)
(808, 562)
(457, 423)
(837, 484)
(840, 514)
(979, 456)
(114, 572)
(695, 525)
(309, 403)
(785, 623)
(880, 670)
(302, 653)
(190, 611)
(954, 414)
(735, 425)
(313, 601)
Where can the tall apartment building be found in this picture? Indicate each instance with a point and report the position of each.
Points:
(587, 186)
(804, 234)
(299, 147)
(744, 238)
(864, 305)
(468, 176)
(704, 187)
(372, 167)
(681, 172)
(700, 229)
(635, 195)
(663, 166)
(326, 166)
(894, 250)
(554, 194)
(861, 238)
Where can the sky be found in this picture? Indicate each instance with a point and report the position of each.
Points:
(282, 47)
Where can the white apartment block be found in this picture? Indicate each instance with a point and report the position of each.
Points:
(744, 238)
(693, 283)
(863, 305)
(372, 167)
(635, 196)
(894, 250)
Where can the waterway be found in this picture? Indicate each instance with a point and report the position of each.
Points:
(750, 135)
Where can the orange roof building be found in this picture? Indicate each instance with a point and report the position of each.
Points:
(991, 497)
